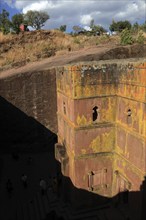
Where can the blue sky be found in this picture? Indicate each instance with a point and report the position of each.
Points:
(81, 12)
(10, 8)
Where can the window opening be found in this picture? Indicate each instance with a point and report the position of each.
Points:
(129, 118)
(129, 112)
(95, 113)
(64, 108)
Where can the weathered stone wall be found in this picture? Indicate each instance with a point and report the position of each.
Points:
(102, 165)
(34, 93)
(89, 145)
(114, 87)
(131, 129)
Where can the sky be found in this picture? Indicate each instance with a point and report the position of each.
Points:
(80, 12)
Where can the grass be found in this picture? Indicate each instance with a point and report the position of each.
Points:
(32, 46)
(5, 38)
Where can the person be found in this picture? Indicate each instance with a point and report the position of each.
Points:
(24, 180)
(9, 187)
(43, 186)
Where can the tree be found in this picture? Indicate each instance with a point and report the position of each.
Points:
(77, 29)
(120, 26)
(36, 19)
(135, 27)
(17, 20)
(96, 29)
(5, 22)
(113, 26)
(123, 25)
(62, 28)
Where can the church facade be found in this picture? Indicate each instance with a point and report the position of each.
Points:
(102, 128)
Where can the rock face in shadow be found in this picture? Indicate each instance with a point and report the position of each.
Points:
(20, 132)
(35, 94)
(18, 128)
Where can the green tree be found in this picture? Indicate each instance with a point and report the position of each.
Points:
(96, 28)
(36, 19)
(120, 26)
(77, 29)
(63, 28)
(17, 20)
(123, 25)
(113, 26)
(5, 22)
(135, 27)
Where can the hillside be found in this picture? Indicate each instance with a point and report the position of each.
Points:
(17, 50)
(27, 47)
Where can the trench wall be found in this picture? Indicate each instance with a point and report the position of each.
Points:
(34, 93)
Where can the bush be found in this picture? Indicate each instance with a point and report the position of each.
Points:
(140, 39)
(126, 37)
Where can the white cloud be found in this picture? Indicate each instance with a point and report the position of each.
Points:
(86, 19)
(74, 12)
(41, 6)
